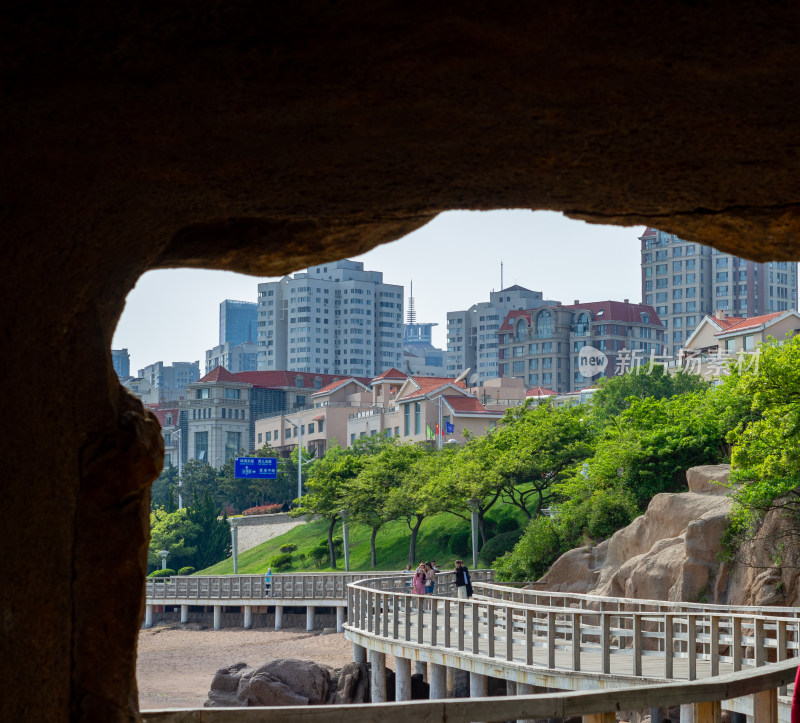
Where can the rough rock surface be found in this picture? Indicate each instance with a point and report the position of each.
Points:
(262, 137)
(669, 553)
(287, 681)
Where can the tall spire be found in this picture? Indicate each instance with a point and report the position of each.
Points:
(411, 312)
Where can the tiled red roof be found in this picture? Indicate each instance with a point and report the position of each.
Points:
(512, 316)
(617, 311)
(335, 385)
(161, 415)
(428, 385)
(218, 374)
(393, 374)
(752, 322)
(465, 405)
(540, 392)
(727, 321)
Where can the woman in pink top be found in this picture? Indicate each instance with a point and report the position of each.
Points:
(419, 581)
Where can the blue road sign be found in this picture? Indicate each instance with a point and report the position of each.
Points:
(255, 468)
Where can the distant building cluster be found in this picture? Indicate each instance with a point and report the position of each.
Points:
(326, 355)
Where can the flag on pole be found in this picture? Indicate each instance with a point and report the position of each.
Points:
(451, 428)
(429, 432)
(437, 429)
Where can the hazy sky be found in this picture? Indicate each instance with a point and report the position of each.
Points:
(454, 262)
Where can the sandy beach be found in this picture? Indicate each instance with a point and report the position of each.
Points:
(176, 664)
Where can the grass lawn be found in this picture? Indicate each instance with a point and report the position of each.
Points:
(391, 545)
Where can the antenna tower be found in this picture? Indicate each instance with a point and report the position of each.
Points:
(411, 313)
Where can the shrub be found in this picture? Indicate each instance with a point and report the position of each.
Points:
(288, 547)
(499, 545)
(461, 543)
(609, 513)
(281, 562)
(319, 554)
(507, 524)
(162, 573)
(533, 554)
(262, 510)
(338, 544)
(186, 571)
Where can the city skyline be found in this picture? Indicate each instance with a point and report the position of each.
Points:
(454, 262)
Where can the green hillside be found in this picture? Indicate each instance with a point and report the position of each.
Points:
(433, 542)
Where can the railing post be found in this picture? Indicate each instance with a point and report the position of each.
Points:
(434, 616)
(637, 644)
(551, 639)
(714, 648)
(781, 655)
(509, 633)
(760, 651)
(765, 706)
(420, 620)
(384, 598)
(475, 629)
(736, 622)
(407, 617)
(669, 621)
(605, 642)
(691, 648)
(446, 623)
(576, 641)
(395, 616)
(490, 628)
(528, 637)
(461, 624)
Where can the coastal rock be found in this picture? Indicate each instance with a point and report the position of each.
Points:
(353, 684)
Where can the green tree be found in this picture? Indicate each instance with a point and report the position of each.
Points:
(196, 477)
(175, 533)
(213, 539)
(616, 394)
(162, 493)
(325, 489)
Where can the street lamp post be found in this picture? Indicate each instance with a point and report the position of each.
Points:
(474, 505)
(299, 428)
(346, 539)
(235, 544)
(180, 469)
(163, 555)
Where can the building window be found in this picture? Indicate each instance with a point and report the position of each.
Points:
(201, 445)
(417, 417)
(544, 324)
(518, 367)
(233, 443)
(407, 420)
(167, 440)
(232, 393)
(260, 437)
(749, 342)
(203, 393)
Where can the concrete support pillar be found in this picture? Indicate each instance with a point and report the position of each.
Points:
(687, 713)
(359, 653)
(340, 618)
(377, 664)
(248, 617)
(478, 685)
(310, 618)
(184, 613)
(438, 681)
(525, 689)
(511, 687)
(451, 682)
(402, 679)
(279, 617)
(421, 668)
(656, 715)
(738, 717)
(148, 616)
(217, 617)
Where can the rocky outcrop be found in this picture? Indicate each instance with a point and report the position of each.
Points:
(287, 681)
(669, 553)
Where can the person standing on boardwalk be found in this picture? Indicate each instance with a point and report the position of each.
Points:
(419, 580)
(463, 581)
(267, 581)
(430, 578)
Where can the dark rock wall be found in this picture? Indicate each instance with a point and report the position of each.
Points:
(260, 137)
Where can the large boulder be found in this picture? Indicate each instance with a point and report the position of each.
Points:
(668, 553)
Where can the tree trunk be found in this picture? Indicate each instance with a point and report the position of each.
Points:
(412, 546)
(373, 560)
(331, 548)
(482, 527)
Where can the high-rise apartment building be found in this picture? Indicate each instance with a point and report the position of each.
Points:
(684, 281)
(542, 346)
(170, 381)
(234, 357)
(335, 318)
(472, 333)
(238, 322)
(122, 362)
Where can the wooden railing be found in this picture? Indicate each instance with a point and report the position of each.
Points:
(669, 643)
(290, 586)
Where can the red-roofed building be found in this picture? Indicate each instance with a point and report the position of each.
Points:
(719, 338)
(547, 346)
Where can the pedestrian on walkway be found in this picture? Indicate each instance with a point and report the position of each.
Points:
(267, 581)
(430, 578)
(419, 580)
(463, 580)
